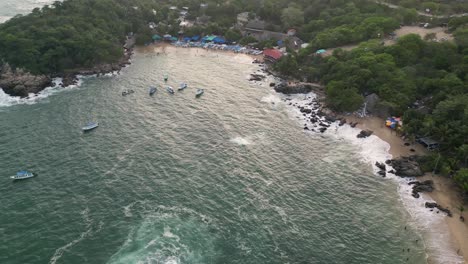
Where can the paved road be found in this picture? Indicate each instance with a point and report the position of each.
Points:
(421, 13)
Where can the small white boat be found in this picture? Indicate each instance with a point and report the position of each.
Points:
(21, 175)
(182, 86)
(170, 90)
(199, 92)
(90, 126)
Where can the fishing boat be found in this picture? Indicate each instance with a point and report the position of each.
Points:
(21, 175)
(170, 90)
(166, 77)
(127, 92)
(199, 92)
(182, 86)
(90, 126)
(152, 90)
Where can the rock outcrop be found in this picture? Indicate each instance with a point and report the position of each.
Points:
(365, 133)
(405, 167)
(22, 83)
(425, 186)
(292, 89)
(439, 207)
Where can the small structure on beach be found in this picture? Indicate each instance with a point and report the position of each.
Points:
(320, 51)
(272, 55)
(429, 143)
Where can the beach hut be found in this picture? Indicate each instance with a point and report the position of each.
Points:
(429, 143)
(320, 51)
(272, 54)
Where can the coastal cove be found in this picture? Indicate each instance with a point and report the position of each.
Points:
(229, 178)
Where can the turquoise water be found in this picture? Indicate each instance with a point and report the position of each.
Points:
(226, 178)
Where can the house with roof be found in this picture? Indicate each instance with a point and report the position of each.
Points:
(254, 26)
(256, 29)
(272, 55)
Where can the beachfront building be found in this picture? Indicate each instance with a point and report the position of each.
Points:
(429, 143)
(256, 29)
(272, 55)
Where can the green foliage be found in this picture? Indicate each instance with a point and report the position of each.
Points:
(247, 40)
(292, 17)
(287, 65)
(342, 97)
(233, 35)
(461, 177)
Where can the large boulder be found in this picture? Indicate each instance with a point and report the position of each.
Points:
(365, 133)
(406, 167)
(284, 88)
(22, 83)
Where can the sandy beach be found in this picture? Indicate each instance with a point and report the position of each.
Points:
(446, 192)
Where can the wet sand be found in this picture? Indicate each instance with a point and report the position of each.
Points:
(446, 192)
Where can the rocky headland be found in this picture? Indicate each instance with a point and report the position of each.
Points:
(18, 82)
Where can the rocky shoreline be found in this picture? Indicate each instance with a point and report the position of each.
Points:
(21, 83)
(321, 119)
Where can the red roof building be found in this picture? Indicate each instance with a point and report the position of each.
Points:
(272, 54)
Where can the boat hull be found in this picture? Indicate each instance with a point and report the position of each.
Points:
(28, 176)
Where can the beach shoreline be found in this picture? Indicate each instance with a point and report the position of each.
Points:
(446, 192)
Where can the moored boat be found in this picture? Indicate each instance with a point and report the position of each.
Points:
(166, 77)
(90, 126)
(152, 90)
(169, 89)
(199, 92)
(182, 86)
(21, 175)
(127, 92)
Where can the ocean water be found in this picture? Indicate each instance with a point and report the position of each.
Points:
(230, 177)
(10, 8)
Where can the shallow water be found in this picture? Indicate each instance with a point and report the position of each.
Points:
(226, 178)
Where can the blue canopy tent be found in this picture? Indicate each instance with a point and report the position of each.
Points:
(219, 40)
(187, 39)
(196, 38)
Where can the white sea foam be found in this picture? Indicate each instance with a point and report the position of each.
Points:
(373, 149)
(88, 232)
(241, 141)
(7, 100)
